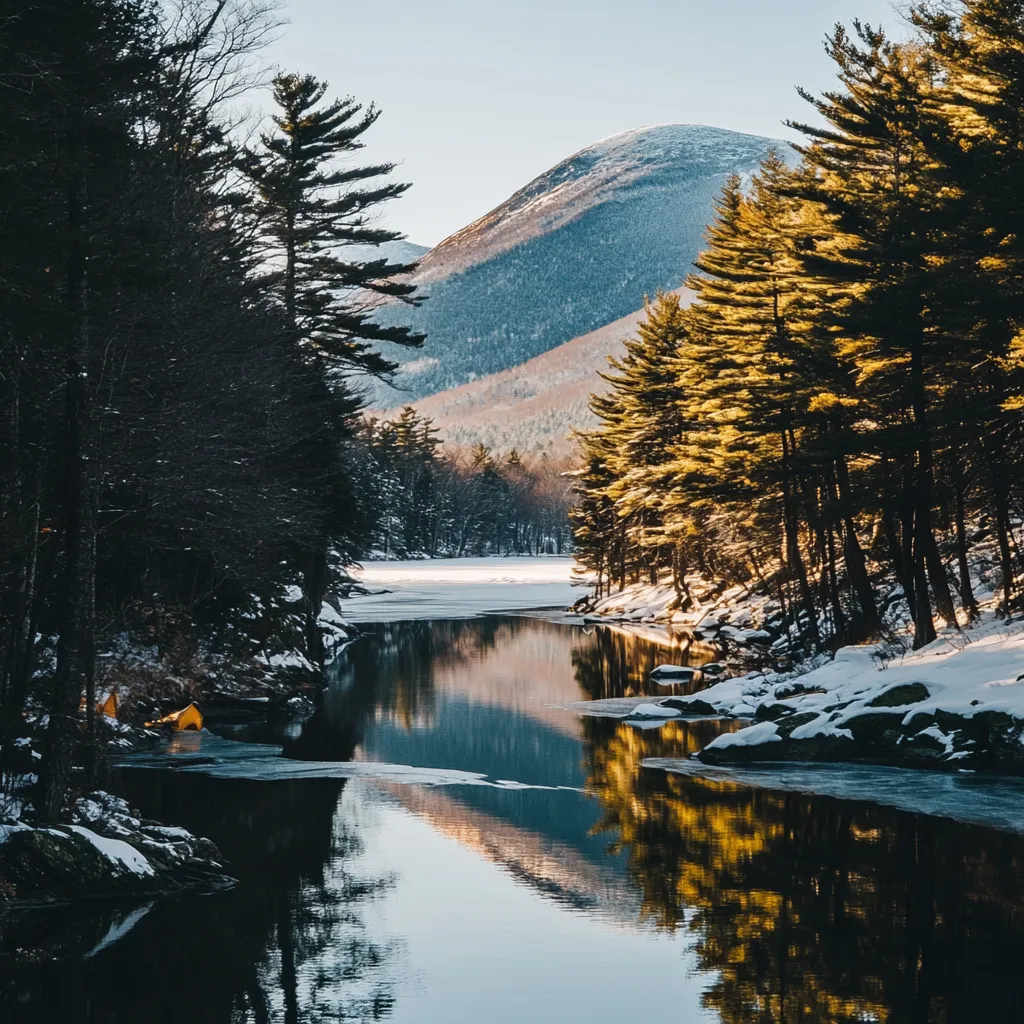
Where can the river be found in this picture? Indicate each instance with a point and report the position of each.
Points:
(443, 842)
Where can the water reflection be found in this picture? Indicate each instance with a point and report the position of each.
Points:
(614, 892)
(812, 909)
(289, 944)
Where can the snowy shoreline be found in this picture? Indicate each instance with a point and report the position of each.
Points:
(957, 704)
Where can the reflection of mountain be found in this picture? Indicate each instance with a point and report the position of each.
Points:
(502, 745)
(477, 696)
(553, 869)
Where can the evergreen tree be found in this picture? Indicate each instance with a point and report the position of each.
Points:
(312, 207)
(882, 189)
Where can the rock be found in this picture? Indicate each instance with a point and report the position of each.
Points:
(653, 711)
(714, 669)
(900, 696)
(786, 726)
(919, 720)
(786, 690)
(772, 711)
(108, 851)
(690, 706)
(876, 727)
(673, 672)
(827, 747)
(61, 863)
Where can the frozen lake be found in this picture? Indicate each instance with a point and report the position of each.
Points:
(453, 588)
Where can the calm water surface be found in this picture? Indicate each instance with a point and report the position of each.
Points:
(560, 882)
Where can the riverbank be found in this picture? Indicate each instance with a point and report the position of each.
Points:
(735, 618)
(955, 705)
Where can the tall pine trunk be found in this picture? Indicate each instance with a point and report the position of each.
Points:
(967, 599)
(924, 540)
(853, 556)
(791, 530)
(73, 645)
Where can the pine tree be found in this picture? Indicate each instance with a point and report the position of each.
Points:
(312, 208)
(882, 189)
(978, 136)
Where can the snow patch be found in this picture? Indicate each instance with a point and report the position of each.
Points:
(117, 852)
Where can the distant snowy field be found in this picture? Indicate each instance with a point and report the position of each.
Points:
(458, 588)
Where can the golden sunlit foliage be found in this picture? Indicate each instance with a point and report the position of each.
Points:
(841, 404)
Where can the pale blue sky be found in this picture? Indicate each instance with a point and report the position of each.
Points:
(479, 97)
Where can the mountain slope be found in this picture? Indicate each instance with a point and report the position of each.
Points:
(535, 406)
(574, 250)
(400, 251)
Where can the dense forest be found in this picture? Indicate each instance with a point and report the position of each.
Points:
(433, 500)
(837, 419)
(179, 332)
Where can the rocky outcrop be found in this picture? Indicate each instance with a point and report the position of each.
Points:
(884, 730)
(106, 851)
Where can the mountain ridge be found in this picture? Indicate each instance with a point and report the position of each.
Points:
(575, 249)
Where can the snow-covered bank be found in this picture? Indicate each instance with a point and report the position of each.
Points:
(456, 588)
(735, 617)
(956, 704)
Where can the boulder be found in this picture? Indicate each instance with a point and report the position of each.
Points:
(690, 706)
(787, 725)
(65, 864)
(673, 672)
(107, 851)
(900, 696)
(772, 711)
(653, 711)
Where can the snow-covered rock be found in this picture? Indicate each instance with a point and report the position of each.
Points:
(658, 711)
(106, 851)
(958, 703)
(673, 673)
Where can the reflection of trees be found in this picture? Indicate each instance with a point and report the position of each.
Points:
(815, 910)
(610, 663)
(287, 945)
(390, 673)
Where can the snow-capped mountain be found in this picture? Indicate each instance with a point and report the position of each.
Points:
(576, 249)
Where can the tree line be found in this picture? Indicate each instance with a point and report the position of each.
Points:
(837, 417)
(180, 324)
(435, 500)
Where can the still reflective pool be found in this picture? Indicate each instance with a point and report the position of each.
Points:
(443, 841)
